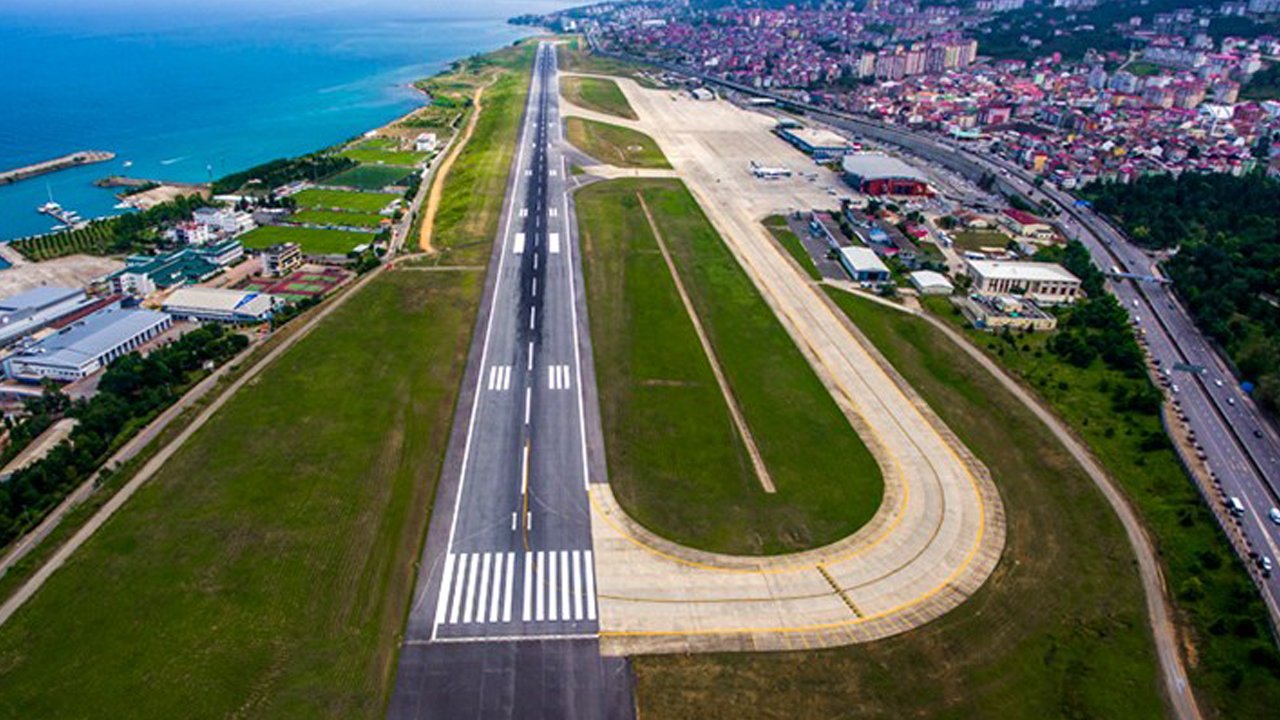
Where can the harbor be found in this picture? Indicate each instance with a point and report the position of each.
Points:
(84, 157)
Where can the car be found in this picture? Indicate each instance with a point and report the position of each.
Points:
(1231, 401)
(1264, 563)
(1257, 433)
(1218, 383)
(1175, 387)
(1274, 515)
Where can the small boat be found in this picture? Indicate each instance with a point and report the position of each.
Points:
(128, 163)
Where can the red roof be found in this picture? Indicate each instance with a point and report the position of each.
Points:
(1021, 217)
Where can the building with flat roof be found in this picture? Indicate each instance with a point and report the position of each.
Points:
(1000, 312)
(281, 259)
(87, 345)
(29, 311)
(873, 173)
(219, 305)
(1045, 283)
(863, 265)
(815, 142)
(928, 282)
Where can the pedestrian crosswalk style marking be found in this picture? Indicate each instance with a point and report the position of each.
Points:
(558, 377)
(553, 242)
(480, 588)
(499, 377)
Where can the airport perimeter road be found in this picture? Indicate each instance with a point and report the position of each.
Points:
(504, 620)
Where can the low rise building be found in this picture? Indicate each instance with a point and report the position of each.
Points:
(815, 142)
(224, 220)
(878, 174)
(1025, 224)
(1045, 283)
(29, 311)
(222, 254)
(219, 305)
(281, 259)
(425, 142)
(863, 265)
(87, 345)
(144, 274)
(1004, 312)
(928, 282)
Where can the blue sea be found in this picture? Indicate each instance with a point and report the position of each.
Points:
(190, 91)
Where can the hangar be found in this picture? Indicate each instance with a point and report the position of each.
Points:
(879, 174)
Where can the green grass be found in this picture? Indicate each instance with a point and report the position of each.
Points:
(675, 461)
(1058, 631)
(777, 226)
(467, 219)
(597, 94)
(976, 240)
(336, 217)
(381, 153)
(313, 241)
(265, 571)
(614, 145)
(370, 177)
(366, 202)
(1237, 670)
(576, 57)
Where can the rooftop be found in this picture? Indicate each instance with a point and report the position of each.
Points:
(36, 298)
(817, 137)
(863, 259)
(879, 165)
(93, 336)
(1025, 271)
(217, 299)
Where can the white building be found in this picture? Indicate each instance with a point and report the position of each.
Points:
(87, 345)
(224, 220)
(426, 142)
(281, 259)
(1045, 283)
(27, 312)
(928, 282)
(863, 265)
(230, 306)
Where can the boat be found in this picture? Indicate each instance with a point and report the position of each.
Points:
(128, 163)
(49, 208)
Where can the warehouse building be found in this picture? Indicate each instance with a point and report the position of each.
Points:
(29, 311)
(86, 346)
(879, 174)
(217, 305)
(863, 265)
(1044, 283)
(816, 143)
(928, 282)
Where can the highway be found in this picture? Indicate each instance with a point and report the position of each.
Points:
(504, 620)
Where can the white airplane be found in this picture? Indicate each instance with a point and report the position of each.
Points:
(769, 173)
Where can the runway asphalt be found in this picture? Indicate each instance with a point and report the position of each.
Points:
(504, 620)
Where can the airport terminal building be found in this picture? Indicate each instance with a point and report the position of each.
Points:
(879, 174)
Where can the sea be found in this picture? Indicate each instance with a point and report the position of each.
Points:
(183, 90)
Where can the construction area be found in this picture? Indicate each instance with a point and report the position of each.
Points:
(940, 530)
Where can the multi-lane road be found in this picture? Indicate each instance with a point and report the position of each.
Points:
(504, 621)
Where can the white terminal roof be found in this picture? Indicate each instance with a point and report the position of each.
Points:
(92, 336)
(219, 300)
(817, 137)
(1024, 271)
(863, 259)
(872, 165)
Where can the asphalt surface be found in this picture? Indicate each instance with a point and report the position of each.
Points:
(504, 620)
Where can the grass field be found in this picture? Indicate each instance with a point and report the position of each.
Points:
(370, 177)
(467, 219)
(382, 154)
(1058, 631)
(365, 202)
(336, 217)
(574, 56)
(615, 145)
(675, 461)
(597, 94)
(777, 226)
(976, 240)
(266, 571)
(1236, 668)
(314, 241)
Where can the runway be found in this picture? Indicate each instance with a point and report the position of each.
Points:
(505, 617)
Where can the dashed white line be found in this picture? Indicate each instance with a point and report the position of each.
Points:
(533, 318)
(528, 403)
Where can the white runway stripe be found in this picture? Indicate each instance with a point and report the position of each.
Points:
(555, 586)
(500, 377)
(518, 246)
(553, 242)
(558, 377)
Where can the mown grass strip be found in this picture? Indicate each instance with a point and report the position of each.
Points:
(320, 198)
(1058, 631)
(315, 241)
(597, 94)
(777, 226)
(674, 460)
(265, 570)
(614, 145)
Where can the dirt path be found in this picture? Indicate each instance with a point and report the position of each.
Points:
(735, 412)
(442, 173)
(145, 473)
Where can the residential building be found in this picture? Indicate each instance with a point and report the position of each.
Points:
(425, 142)
(86, 346)
(219, 305)
(281, 259)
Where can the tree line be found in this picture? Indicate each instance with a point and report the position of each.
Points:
(1224, 232)
(133, 390)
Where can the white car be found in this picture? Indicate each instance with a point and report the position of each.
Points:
(1274, 514)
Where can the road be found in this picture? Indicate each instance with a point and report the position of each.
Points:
(504, 621)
